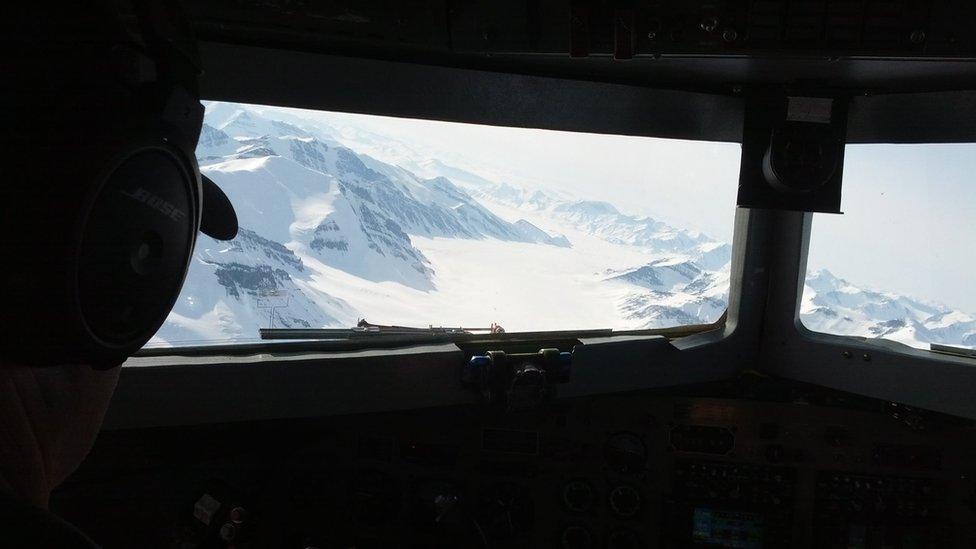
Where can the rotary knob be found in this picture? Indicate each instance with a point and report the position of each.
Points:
(529, 388)
(625, 501)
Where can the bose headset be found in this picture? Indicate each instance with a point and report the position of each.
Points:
(101, 196)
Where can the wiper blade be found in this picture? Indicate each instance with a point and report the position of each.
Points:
(342, 333)
(345, 339)
(393, 334)
(367, 329)
(404, 333)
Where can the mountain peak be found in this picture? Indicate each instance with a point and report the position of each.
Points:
(825, 274)
(589, 207)
(825, 278)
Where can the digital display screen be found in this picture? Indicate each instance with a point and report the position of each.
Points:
(723, 528)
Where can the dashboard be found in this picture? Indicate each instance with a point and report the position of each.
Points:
(754, 462)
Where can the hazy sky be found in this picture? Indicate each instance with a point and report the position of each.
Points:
(908, 223)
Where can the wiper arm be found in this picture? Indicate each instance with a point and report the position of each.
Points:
(367, 329)
(357, 338)
(367, 326)
(405, 333)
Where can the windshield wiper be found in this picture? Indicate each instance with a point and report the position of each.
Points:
(363, 337)
(365, 329)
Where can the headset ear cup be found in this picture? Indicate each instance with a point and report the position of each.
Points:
(92, 275)
(136, 238)
(101, 199)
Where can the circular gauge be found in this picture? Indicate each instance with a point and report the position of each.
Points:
(373, 497)
(506, 510)
(578, 496)
(625, 501)
(625, 453)
(575, 537)
(624, 538)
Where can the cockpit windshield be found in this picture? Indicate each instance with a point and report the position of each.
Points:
(350, 219)
(898, 264)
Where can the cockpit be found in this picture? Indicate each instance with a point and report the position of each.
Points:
(500, 275)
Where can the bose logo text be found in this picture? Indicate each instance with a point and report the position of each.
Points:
(156, 203)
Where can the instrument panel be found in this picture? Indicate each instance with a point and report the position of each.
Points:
(700, 467)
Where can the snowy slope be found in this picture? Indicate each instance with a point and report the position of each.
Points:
(230, 285)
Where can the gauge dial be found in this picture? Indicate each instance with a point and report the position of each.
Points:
(625, 501)
(625, 453)
(578, 496)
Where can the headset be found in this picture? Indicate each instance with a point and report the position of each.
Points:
(101, 196)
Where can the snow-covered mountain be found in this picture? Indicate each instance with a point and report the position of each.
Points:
(833, 305)
(231, 287)
(340, 223)
(301, 195)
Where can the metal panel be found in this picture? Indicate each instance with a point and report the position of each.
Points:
(297, 79)
(936, 117)
(316, 81)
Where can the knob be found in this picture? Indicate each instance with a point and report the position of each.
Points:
(228, 532)
(238, 515)
(529, 388)
(625, 501)
(557, 363)
(475, 371)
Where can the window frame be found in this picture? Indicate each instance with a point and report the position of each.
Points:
(760, 332)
